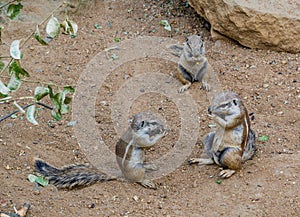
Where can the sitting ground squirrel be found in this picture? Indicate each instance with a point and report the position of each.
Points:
(234, 141)
(144, 132)
(193, 65)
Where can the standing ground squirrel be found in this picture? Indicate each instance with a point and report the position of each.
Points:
(144, 132)
(193, 65)
(234, 141)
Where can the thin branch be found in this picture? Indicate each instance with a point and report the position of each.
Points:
(24, 107)
(14, 112)
(2, 6)
(46, 106)
(35, 82)
(31, 34)
(43, 21)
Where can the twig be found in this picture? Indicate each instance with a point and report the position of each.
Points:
(36, 82)
(2, 6)
(46, 106)
(32, 33)
(24, 107)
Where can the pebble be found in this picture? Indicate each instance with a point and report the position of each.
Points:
(37, 192)
(135, 198)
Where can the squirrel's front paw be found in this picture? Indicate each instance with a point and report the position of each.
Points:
(183, 88)
(206, 86)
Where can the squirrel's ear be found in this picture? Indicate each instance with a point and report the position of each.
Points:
(186, 38)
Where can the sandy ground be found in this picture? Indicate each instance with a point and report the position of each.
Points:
(268, 83)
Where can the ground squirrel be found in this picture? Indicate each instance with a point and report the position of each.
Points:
(234, 141)
(144, 132)
(193, 65)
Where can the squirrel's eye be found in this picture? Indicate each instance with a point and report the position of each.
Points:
(234, 102)
(142, 124)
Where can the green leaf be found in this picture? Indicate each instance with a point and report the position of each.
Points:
(4, 90)
(30, 114)
(74, 28)
(65, 26)
(14, 82)
(40, 180)
(263, 138)
(53, 27)
(70, 27)
(97, 26)
(38, 37)
(69, 89)
(56, 99)
(64, 109)
(40, 92)
(13, 10)
(67, 100)
(218, 181)
(117, 39)
(2, 65)
(16, 67)
(15, 50)
(56, 115)
(166, 25)
(1, 27)
(50, 91)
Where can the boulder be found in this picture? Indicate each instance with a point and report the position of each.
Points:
(263, 24)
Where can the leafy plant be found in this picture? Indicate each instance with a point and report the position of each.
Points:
(17, 74)
(166, 25)
(263, 138)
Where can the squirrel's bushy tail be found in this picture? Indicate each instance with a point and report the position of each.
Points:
(71, 176)
(250, 149)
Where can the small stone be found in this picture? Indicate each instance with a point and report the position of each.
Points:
(91, 206)
(135, 198)
(71, 123)
(104, 103)
(37, 192)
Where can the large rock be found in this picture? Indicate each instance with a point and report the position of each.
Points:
(267, 24)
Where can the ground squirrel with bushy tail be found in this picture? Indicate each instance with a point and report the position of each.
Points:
(144, 132)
